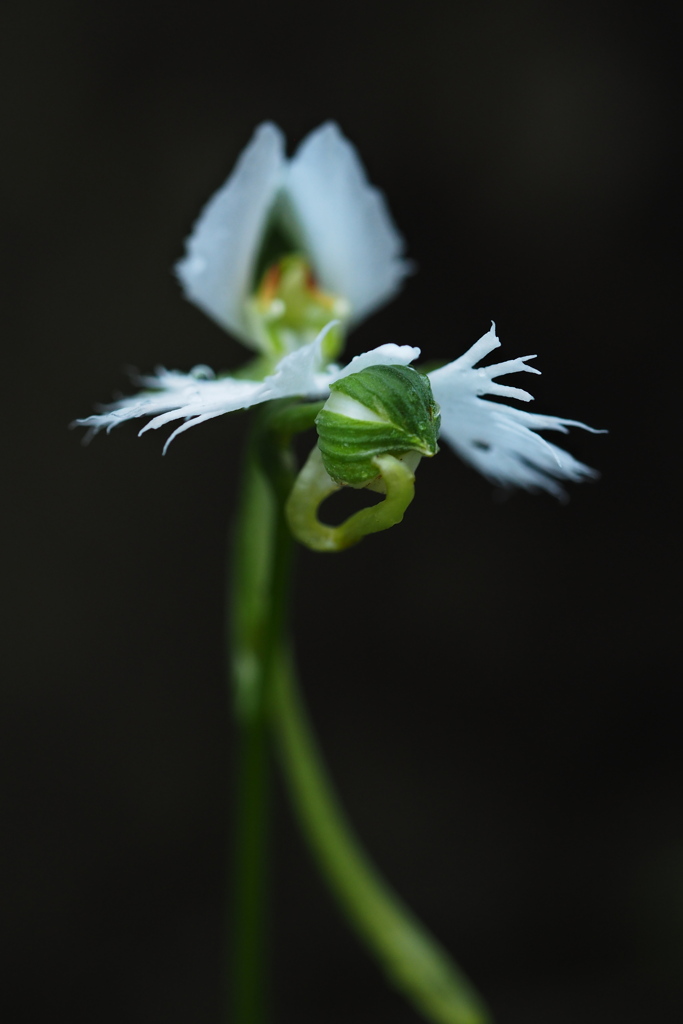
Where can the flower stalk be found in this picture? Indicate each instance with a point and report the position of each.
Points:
(260, 575)
(414, 962)
(267, 701)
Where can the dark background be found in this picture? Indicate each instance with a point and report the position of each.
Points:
(494, 682)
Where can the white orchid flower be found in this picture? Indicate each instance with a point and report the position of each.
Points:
(499, 440)
(285, 246)
(285, 253)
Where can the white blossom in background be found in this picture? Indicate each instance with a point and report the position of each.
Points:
(321, 202)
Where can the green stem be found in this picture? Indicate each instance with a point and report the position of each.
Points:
(261, 561)
(414, 962)
(266, 697)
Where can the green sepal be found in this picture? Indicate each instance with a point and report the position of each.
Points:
(398, 415)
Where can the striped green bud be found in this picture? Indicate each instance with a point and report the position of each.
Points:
(382, 410)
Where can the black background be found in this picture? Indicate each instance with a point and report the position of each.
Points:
(494, 682)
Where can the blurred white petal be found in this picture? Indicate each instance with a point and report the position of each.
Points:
(499, 440)
(343, 222)
(217, 271)
(322, 199)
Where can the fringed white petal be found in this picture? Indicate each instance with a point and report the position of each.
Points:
(177, 396)
(499, 440)
(343, 222)
(197, 397)
(218, 269)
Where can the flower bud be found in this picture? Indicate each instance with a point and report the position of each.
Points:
(383, 410)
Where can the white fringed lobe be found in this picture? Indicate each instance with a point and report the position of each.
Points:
(195, 399)
(500, 440)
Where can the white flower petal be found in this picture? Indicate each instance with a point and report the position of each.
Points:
(218, 269)
(177, 396)
(343, 222)
(301, 371)
(500, 440)
(384, 355)
(197, 396)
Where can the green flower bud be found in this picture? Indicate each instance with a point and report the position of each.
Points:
(383, 410)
